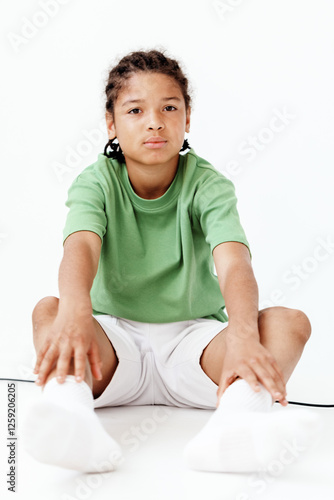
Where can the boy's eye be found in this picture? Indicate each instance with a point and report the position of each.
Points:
(136, 111)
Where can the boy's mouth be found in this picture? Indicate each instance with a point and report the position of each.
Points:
(155, 142)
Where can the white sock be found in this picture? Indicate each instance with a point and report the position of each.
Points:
(244, 435)
(62, 429)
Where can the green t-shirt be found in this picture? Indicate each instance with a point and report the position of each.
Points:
(156, 263)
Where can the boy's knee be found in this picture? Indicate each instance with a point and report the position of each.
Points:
(302, 324)
(45, 307)
(295, 320)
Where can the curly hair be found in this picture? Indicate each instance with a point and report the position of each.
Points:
(152, 61)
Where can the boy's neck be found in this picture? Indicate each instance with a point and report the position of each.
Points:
(151, 181)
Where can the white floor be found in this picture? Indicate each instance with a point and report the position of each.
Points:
(153, 438)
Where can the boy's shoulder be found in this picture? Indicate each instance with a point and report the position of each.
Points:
(202, 169)
(102, 172)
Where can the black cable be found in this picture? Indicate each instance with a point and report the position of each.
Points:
(310, 404)
(16, 380)
(290, 402)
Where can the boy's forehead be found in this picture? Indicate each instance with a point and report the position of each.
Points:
(145, 85)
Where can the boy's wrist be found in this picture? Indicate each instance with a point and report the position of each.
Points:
(243, 329)
(78, 304)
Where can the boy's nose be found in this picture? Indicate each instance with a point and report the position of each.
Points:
(155, 122)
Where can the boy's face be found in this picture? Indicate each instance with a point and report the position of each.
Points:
(151, 105)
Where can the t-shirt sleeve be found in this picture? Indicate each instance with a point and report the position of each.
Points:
(86, 206)
(215, 205)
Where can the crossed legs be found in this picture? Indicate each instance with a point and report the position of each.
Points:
(283, 332)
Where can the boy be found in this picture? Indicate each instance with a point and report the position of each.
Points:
(140, 318)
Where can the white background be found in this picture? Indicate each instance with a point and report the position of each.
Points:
(247, 62)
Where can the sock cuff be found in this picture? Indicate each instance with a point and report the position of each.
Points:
(69, 392)
(241, 396)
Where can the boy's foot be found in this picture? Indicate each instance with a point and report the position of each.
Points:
(62, 429)
(244, 435)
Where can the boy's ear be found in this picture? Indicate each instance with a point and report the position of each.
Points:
(110, 125)
(188, 113)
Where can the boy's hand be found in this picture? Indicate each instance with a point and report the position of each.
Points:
(247, 358)
(72, 336)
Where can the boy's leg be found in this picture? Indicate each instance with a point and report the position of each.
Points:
(44, 315)
(62, 428)
(243, 435)
(284, 332)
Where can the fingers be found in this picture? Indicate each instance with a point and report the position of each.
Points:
(95, 361)
(63, 363)
(47, 360)
(80, 356)
(256, 371)
(271, 377)
(40, 357)
(61, 356)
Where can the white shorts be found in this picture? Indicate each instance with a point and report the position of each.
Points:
(159, 363)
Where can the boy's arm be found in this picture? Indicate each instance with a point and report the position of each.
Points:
(245, 356)
(73, 335)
